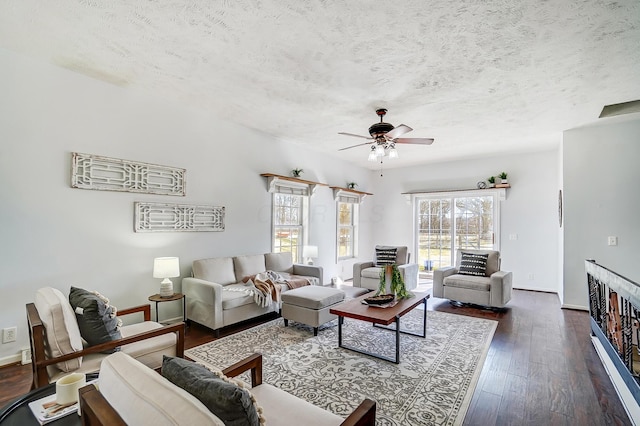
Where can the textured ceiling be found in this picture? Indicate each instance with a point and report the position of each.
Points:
(481, 77)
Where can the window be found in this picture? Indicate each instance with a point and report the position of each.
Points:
(347, 230)
(289, 224)
(448, 222)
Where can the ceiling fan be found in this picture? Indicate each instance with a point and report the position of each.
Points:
(384, 137)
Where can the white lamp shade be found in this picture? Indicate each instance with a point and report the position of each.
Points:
(380, 151)
(166, 267)
(310, 251)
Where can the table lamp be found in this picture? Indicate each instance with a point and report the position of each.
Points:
(166, 267)
(310, 252)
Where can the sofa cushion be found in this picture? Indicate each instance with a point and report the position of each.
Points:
(283, 409)
(218, 270)
(61, 328)
(143, 397)
(279, 262)
(246, 266)
(235, 295)
(233, 404)
(149, 351)
(371, 272)
(469, 282)
(473, 264)
(97, 320)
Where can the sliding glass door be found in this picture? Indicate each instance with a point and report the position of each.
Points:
(446, 222)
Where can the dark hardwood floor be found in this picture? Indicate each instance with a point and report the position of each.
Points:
(541, 368)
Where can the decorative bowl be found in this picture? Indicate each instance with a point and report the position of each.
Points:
(380, 299)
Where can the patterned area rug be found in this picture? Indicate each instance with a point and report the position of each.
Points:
(432, 385)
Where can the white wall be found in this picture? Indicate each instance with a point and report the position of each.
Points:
(53, 235)
(601, 180)
(530, 209)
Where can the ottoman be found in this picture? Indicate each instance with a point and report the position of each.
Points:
(310, 305)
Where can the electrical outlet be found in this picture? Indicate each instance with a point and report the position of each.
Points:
(513, 237)
(612, 241)
(9, 334)
(26, 356)
(531, 276)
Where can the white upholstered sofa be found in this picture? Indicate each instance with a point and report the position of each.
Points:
(213, 299)
(132, 394)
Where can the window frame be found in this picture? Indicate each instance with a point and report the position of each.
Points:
(302, 226)
(354, 227)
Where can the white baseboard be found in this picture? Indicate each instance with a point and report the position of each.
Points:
(11, 359)
(575, 307)
(628, 401)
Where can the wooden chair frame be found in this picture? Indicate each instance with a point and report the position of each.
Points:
(39, 360)
(96, 411)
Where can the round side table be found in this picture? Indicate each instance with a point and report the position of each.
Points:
(176, 296)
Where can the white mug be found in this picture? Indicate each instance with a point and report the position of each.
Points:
(67, 388)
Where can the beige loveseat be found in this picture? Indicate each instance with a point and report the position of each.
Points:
(133, 394)
(217, 297)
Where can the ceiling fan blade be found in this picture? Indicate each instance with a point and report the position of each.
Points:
(419, 141)
(398, 131)
(356, 136)
(353, 146)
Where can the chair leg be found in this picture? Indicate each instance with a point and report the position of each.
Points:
(286, 322)
(315, 331)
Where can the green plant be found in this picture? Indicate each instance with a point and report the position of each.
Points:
(397, 283)
(296, 172)
(502, 175)
(492, 179)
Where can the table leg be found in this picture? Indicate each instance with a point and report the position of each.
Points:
(184, 308)
(157, 311)
(340, 321)
(397, 361)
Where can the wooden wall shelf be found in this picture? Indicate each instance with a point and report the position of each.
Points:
(355, 191)
(275, 183)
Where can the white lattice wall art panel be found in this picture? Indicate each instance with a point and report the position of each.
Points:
(114, 174)
(155, 217)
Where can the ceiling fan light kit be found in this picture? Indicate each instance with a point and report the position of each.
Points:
(384, 137)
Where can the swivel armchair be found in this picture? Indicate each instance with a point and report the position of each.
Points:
(474, 281)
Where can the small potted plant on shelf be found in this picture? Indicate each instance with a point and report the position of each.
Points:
(352, 185)
(503, 177)
(296, 172)
(492, 181)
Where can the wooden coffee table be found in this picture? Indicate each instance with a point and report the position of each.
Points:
(380, 317)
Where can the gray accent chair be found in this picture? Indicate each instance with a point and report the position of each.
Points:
(492, 290)
(367, 274)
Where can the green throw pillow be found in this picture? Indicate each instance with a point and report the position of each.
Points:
(96, 319)
(229, 402)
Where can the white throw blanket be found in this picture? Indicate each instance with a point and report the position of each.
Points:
(264, 287)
